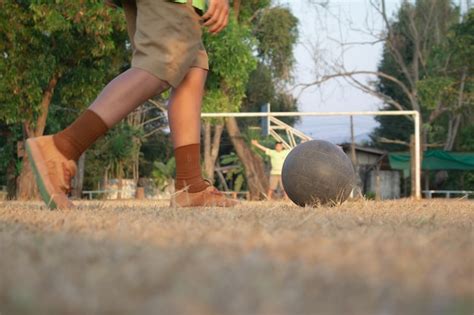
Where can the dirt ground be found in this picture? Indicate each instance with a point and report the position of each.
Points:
(365, 257)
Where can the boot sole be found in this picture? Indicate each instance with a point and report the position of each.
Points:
(44, 184)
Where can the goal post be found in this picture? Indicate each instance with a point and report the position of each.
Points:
(413, 113)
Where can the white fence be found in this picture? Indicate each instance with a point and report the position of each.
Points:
(449, 193)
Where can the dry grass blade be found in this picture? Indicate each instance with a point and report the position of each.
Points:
(364, 257)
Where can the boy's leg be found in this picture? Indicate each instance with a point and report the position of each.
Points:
(270, 194)
(120, 97)
(154, 26)
(184, 110)
(273, 185)
(53, 157)
(280, 183)
(185, 124)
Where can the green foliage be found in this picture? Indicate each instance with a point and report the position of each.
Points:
(445, 68)
(464, 180)
(80, 43)
(370, 195)
(156, 147)
(249, 8)
(75, 41)
(446, 57)
(235, 175)
(163, 172)
(8, 151)
(119, 148)
(434, 90)
(276, 30)
(466, 139)
(412, 16)
(463, 41)
(215, 101)
(450, 61)
(249, 60)
(458, 179)
(231, 61)
(260, 89)
(399, 128)
(285, 102)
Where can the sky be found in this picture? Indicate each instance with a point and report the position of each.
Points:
(324, 28)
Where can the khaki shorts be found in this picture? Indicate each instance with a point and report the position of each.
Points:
(166, 38)
(275, 181)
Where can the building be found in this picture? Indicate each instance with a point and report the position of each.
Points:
(376, 178)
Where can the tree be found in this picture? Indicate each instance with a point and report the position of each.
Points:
(413, 72)
(263, 24)
(449, 92)
(262, 89)
(276, 31)
(60, 53)
(231, 62)
(119, 149)
(439, 80)
(9, 136)
(163, 174)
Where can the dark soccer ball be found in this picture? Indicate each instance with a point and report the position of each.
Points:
(318, 172)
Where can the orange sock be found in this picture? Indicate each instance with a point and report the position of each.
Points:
(188, 168)
(80, 135)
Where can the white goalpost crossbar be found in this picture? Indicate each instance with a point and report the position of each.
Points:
(415, 114)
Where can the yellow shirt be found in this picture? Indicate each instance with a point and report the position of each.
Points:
(277, 159)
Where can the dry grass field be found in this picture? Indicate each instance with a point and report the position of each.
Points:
(365, 257)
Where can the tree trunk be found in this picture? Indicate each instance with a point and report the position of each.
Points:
(136, 164)
(11, 180)
(453, 128)
(120, 182)
(78, 180)
(137, 120)
(211, 148)
(455, 119)
(27, 189)
(105, 185)
(257, 180)
(26, 185)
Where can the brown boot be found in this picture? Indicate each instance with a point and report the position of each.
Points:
(209, 197)
(53, 172)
